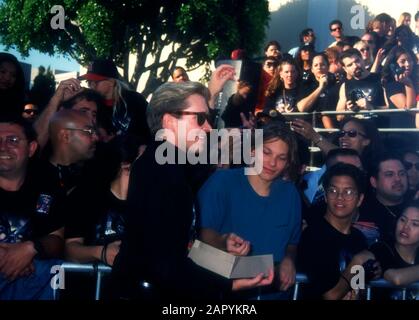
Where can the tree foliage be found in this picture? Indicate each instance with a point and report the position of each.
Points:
(162, 30)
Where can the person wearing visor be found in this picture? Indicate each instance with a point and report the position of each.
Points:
(126, 108)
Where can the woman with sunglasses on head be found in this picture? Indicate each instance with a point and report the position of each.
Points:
(259, 211)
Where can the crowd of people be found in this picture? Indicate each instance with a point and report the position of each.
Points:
(81, 179)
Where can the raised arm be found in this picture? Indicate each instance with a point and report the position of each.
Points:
(306, 103)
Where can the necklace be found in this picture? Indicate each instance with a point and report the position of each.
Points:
(389, 211)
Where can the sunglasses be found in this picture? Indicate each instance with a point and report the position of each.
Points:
(335, 29)
(30, 111)
(409, 165)
(271, 65)
(369, 41)
(350, 133)
(88, 131)
(201, 117)
(364, 49)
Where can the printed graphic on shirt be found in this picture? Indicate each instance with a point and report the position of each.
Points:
(13, 229)
(110, 229)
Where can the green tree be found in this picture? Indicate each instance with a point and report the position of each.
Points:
(158, 33)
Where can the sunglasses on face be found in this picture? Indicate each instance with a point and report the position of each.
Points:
(201, 117)
(350, 133)
(364, 49)
(335, 29)
(409, 165)
(271, 65)
(30, 111)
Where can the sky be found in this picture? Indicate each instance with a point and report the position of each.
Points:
(36, 59)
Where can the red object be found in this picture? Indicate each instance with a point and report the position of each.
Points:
(238, 54)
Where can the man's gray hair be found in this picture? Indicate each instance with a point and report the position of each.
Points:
(171, 98)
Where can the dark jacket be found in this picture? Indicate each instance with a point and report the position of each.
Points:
(160, 215)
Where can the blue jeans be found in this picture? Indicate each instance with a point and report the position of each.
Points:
(36, 286)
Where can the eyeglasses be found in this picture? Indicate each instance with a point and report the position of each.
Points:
(369, 41)
(347, 194)
(30, 111)
(364, 49)
(350, 133)
(201, 117)
(409, 165)
(12, 141)
(335, 29)
(90, 131)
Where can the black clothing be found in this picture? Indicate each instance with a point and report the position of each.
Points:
(235, 105)
(282, 97)
(31, 212)
(398, 120)
(323, 253)
(369, 88)
(160, 214)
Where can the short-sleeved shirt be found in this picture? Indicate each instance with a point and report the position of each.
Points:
(328, 98)
(389, 258)
(96, 215)
(282, 97)
(323, 253)
(29, 213)
(228, 203)
(398, 120)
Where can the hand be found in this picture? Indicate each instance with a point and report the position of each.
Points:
(16, 259)
(305, 129)
(219, 77)
(248, 124)
(350, 106)
(286, 274)
(67, 89)
(258, 281)
(363, 104)
(236, 245)
(112, 251)
(404, 80)
(323, 81)
(380, 55)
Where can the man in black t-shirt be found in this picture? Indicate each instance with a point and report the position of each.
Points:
(30, 230)
(363, 91)
(385, 205)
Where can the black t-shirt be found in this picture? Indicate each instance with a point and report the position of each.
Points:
(369, 88)
(389, 258)
(328, 99)
(281, 98)
(96, 215)
(398, 120)
(384, 217)
(31, 212)
(323, 253)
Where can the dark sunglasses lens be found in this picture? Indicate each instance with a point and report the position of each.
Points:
(352, 133)
(201, 118)
(341, 134)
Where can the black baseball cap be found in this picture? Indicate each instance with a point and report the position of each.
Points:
(100, 69)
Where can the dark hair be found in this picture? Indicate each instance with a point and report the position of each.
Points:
(375, 146)
(412, 204)
(406, 37)
(383, 17)
(345, 169)
(340, 152)
(305, 33)
(417, 16)
(335, 22)
(274, 130)
(385, 156)
(349, 53)
(323, 55)
(276, 84)
(13, 98)
(28, 130)
(391, 60)
(351, 40)
(170, 98)
(85, 94)
(272, 43)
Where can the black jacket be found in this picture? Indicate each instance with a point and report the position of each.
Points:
(160, 214)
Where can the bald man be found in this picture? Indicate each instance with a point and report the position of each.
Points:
(73, 141)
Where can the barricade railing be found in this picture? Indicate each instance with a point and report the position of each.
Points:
(301, 278)
(99, 270)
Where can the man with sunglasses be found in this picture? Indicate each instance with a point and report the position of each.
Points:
(336, 31)
(160, 206)
(31, 228)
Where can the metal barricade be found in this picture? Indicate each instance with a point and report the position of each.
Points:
(98, 269)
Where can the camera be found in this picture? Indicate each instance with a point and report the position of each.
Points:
(354, 96)
(397, 70)
(369, 269)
